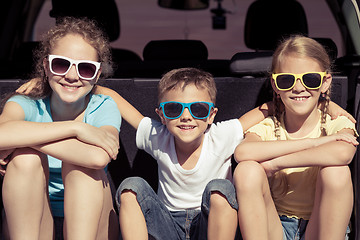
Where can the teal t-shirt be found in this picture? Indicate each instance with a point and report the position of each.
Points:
(101, 111)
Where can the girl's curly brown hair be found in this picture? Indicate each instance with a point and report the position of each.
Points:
(84, 27)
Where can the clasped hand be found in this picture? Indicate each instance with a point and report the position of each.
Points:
(101, 137)
(5, 156)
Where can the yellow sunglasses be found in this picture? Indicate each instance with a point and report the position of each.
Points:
(310, 80)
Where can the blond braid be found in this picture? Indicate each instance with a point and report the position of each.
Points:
(324, 111)
(277, 114)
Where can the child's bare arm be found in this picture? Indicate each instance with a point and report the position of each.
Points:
(255, 116)
(71, 141)
(258, 114)
(128, 112)
(254, 149)
(334, 153)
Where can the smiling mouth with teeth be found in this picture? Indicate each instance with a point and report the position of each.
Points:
(186, 127)
(299, 98)
(69, 87)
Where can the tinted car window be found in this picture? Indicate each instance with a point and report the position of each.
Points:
(143, 21)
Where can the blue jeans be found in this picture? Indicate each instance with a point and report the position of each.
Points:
(164, 224)
(294, 229)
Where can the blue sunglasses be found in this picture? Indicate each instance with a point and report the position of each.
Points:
(173, 110)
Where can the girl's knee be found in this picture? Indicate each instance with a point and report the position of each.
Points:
(27, 159)
(335, 178)
(77, 173)
(248, 169)
(249, 174)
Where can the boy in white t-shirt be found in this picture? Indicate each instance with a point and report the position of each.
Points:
(196, 198)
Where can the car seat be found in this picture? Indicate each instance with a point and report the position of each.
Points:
(104, 13)
(161, 56)
(175, 50)
(266, 23)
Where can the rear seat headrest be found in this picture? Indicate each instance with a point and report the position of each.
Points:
(259, 63)
(268, 21)
(250, 64)
(330, 47)
(105, 12)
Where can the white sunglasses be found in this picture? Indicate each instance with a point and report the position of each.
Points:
(86, 69)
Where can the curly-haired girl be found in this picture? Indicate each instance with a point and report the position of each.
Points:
(59, 139)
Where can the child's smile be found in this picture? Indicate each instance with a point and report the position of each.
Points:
(299, 99)
(186, 127)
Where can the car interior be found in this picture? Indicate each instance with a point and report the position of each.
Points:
(241, 79)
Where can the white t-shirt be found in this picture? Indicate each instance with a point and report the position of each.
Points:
(181, 189)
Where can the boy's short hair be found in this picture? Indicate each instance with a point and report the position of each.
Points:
(184, 76)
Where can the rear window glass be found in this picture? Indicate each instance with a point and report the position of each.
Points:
(143, 21)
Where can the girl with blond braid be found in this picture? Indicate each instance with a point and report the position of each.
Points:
(292, 179)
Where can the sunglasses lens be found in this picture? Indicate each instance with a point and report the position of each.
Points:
(312, 80)
(87, 70)
(285, 81)
(200, 110)
(59, 65)
(172, 110)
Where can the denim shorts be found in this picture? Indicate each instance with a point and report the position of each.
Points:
(164, 224)
(294, 229)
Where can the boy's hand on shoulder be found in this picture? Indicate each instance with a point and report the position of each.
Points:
(336, 111)
(128, 112)
(256, 115)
